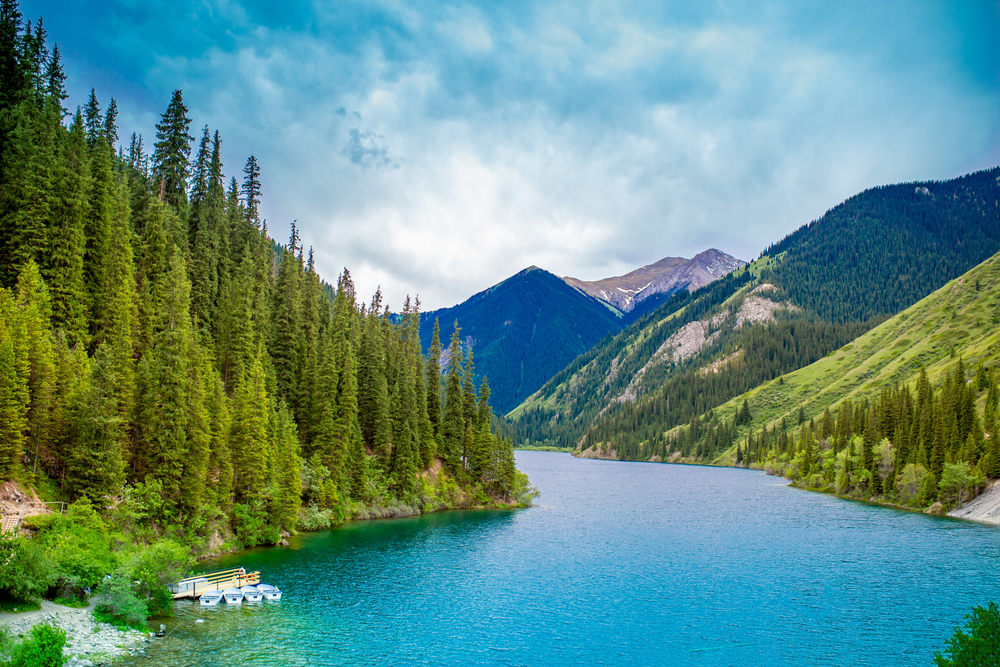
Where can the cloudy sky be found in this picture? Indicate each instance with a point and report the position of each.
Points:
(438, 148)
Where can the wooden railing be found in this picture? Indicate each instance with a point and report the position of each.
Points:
(12, 522)
(193, 587)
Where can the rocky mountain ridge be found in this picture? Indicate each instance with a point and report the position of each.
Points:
(667, 276)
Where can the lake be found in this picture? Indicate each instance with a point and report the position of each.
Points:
(617, 564)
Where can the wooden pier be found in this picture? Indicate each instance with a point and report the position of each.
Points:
(193, 587)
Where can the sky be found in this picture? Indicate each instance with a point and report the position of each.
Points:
(435, 149)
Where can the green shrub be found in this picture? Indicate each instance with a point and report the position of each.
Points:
(78, 546)
(251, 526)
(43, 647)
(155, 568)
(978, 645)
(24, 572)
(119, 600)
(312, 518)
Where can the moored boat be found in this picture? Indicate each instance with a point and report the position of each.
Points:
(233, 595)
(269, 592)
(250, 594)
(210, 598)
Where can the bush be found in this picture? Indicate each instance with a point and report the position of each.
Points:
(43, 647)
(978, 645)
(78, 546)
(24, 571)
(119, 600)
(313, 518)
(155, 568)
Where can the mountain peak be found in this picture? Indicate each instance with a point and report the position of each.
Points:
(666, 276)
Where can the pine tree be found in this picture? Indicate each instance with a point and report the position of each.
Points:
(165, 394)
(95, 450)
(434, 382)
(14, 396)
(453, 421)
(249, 437)
(38, 348)
(171, 153)
(251, 191)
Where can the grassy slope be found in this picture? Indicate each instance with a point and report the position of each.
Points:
(954, 318)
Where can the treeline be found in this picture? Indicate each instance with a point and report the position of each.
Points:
(912, 446)
(888, 247)
(151, 339)
(752, 355)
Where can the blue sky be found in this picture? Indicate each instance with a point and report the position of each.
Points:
(437, 148)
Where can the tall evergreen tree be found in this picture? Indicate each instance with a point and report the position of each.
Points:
(171, 153)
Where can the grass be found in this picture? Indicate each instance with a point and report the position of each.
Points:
(19, 606)
(102, 616)
(956, 321)
(72, 602)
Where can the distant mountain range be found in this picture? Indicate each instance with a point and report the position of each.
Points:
(527, 328)
(638, 289)
(808, 295)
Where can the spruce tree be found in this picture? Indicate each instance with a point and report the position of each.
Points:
(171, 153)
(453, 421)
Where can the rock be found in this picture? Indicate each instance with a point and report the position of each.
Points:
(199, 620)
(936, 508)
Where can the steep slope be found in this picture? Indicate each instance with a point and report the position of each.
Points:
(664, 278)
(523, 330)
(815, 290)
(960, 320)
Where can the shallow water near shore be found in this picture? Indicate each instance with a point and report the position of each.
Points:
(617, 564)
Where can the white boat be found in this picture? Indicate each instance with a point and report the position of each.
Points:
(233, 595)
(250, 594)
(269, 592)
(210, 598)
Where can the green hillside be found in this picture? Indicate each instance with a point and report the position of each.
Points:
(960, 320)
(805, 297)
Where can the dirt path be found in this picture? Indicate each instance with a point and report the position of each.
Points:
(88, 642)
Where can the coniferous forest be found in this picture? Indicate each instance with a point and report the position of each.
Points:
(912, 446)
(156, 344)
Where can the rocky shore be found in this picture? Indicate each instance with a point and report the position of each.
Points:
(88, 643)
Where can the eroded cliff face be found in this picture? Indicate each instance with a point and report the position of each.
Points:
(667, 276)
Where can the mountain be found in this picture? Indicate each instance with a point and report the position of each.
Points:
(636, 290)
(523, 330)
(809, 294)
(958, 321)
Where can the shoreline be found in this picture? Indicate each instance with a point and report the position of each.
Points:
(88, 642)
(983, 508)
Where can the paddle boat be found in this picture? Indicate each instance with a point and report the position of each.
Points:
(233, 595)
(269, 592)
(250, 594)
(210, 598)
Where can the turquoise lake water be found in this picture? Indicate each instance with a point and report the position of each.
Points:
(617, 564)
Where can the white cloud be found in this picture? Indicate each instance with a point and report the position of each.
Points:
(439, 151)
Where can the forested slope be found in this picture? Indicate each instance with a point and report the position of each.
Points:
(524, 330)
(907, 412)
(153, 345)
(806, 296)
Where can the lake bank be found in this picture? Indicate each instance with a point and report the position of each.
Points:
(615, 564)
(983, 508)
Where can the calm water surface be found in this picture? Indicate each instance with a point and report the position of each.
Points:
(617, 564)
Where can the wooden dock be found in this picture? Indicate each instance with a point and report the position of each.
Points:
(193, 587)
